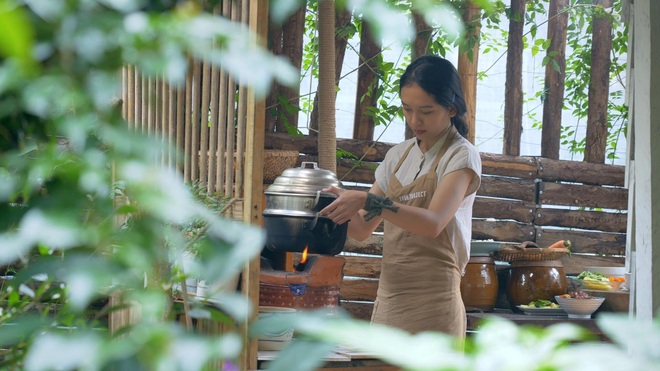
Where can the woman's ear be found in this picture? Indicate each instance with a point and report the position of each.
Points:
(452, 111)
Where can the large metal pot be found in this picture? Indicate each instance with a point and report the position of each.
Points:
(291, 216)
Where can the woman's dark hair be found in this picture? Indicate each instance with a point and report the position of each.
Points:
(439, 78)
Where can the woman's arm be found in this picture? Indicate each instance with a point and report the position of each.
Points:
(427, 222)
(348, 207)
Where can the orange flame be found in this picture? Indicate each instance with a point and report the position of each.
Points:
(303, 260)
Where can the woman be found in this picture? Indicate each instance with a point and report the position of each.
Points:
(424, 192)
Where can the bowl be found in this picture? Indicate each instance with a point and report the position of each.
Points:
(608, 271)
(579, 308)
(274, 339)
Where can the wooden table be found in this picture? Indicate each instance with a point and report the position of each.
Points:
(340, 359)
(474, 318)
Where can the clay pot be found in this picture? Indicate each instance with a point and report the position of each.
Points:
(479, 285)
(535, 280)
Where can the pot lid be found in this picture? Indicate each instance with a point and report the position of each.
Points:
(308, 179)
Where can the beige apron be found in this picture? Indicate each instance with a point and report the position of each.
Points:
(419, 288)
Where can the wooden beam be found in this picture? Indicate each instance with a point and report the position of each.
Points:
(583, 195)
(253, 202)
(503, 209)
(581, 172)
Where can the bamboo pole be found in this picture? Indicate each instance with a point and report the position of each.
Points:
(187, 154)
(222, 133)
(124, 92)
(130, 102)
(242, 121)
(204, 127)
(139, 98)
(214, 164)
(156, 133)
(145, 101)
(231, 117)
(195, 122)
(146, 125)
(171, 128)
(180, 127)
(165, 123)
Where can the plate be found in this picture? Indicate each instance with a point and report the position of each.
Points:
(543, 311)
(595, 285)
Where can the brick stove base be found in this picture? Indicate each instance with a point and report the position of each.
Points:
(317, 286)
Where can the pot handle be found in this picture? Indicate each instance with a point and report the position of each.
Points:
(316, 200)
(312, 224)
(304, 164)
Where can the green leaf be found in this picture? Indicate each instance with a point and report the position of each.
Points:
(17, 39)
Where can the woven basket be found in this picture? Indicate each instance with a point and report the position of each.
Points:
(532, 254)
(313, 297)
(276, 161)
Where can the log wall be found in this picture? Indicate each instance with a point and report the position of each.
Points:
(520, 199)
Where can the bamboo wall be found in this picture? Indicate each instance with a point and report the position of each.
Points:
(209, 130)
(202, 124)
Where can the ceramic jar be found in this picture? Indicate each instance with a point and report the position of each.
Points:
(534, 280)
(479, 285)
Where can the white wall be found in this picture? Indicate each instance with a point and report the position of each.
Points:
(645, 161)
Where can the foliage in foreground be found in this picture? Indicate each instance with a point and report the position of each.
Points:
(498, 345)
(65, 153)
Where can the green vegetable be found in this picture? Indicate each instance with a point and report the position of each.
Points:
(591, 276)
(540, 303)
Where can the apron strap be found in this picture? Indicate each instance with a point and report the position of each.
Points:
(448, 141)
(405, 154)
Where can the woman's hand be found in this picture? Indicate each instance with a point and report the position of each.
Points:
(346, 206)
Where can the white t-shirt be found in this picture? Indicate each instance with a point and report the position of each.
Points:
(460, 155)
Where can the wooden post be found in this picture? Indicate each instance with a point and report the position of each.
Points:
(423, 34)
(468, 63)
(554, 80)
(327, 87)
(292, 48)
(367, 84)
(513, 96)
(343, 18)
(253, 205)
(599, 85)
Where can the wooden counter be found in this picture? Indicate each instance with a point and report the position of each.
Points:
(340, 359)
(474, 319)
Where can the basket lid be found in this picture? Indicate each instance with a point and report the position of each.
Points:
(306, 179)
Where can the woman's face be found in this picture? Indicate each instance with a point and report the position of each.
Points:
(427, 119)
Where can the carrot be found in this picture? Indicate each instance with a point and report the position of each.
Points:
(561, 244)
(617, 279)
